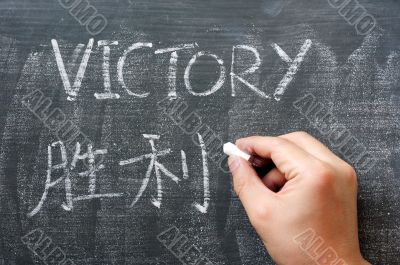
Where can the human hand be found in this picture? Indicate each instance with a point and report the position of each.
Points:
(305, 209)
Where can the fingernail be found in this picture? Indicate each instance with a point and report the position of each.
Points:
(234, 164)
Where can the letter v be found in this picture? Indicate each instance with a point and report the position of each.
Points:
(72, 92)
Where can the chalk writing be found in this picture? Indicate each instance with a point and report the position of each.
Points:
(66, 175)
(68, 168)
(184, 165)
(173, 65)
(219, 82)
(206, 182)
(72, 91)
(153, 165)
(107, 94)
(293, 68)
(120, 68)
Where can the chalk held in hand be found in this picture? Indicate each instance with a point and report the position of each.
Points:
(256, 161)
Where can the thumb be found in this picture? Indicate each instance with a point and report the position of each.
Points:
(256, 198)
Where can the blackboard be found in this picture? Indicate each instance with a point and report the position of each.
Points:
(238, 69)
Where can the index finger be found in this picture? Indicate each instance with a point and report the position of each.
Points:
(289, 158)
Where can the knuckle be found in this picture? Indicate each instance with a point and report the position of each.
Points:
(302, 134)
(350, 174)
(241, 143)
(298, 134)
(323, 169)
(259, 214)
(278, 141)
(325, 176)
(238, 141)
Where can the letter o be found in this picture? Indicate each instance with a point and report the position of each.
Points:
(216, 86)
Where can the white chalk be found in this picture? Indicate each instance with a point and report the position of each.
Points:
(216, 86)
(232, 150)
(293, 68)
(72, 91)
(203, 208)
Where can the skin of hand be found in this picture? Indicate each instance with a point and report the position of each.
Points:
(305, 209)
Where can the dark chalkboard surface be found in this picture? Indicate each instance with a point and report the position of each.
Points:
(112, 114)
